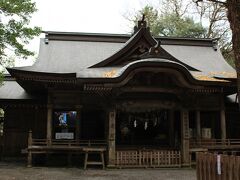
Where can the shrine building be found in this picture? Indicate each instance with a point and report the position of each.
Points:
(139, 100)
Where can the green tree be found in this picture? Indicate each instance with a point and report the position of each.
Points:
(170, 23)
(151, 16)
(233, 15)
(15, 31)
(1, 122)
(6, 61)
(217, 26)
(182, 18)
(173, 25)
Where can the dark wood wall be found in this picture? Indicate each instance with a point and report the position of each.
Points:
(19, 119)
(17, 123)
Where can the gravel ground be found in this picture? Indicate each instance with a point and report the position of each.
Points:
(14, 171)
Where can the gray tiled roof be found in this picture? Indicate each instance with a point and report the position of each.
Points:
(71, 56)
(76, 56)
(12, 90)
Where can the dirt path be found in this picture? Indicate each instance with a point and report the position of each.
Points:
(10, 171)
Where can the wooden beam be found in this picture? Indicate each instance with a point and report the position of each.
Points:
(111, 137)
(141, 106)
(151, 89)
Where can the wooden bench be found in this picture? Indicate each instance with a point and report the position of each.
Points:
(42, 146)
(94, 150)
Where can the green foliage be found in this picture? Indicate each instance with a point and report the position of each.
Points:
(170, 24)
(1, 78)
(173, 25)
(15, 32)
(182, 18)
(229, 55)
(151, 16)
(1, 122)
(6, 61)
(1, 112)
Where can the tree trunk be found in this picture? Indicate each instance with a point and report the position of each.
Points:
(233, 15)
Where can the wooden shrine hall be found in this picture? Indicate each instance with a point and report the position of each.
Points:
(137, 100)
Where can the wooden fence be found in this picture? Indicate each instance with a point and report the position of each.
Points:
(148, 158)
(215, 143)
(217, 167)
(1, 146)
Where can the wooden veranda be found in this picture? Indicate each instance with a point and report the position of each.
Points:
(216, 144)
(69, 147)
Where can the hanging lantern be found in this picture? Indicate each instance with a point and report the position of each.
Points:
(155, 121)
(145, 125)
(135, 123)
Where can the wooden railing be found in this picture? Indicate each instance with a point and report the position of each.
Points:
(213, 167)
(72, 143)
(148, 158)
(215, 143)
(33, 142)
(45, 146)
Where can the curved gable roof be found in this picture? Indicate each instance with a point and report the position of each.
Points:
(141, 42)
(82, 54)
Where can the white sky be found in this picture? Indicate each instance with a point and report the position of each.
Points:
(97, 16)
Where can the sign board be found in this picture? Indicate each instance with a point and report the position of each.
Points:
(206, 133)
(219, 165)
(64, 135)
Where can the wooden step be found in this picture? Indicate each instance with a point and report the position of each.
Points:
(94, 163)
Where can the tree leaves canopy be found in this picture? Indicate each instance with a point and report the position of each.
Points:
(182, 18)
(170, 24)
(15, 31)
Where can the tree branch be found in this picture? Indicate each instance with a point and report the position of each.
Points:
(216, 1)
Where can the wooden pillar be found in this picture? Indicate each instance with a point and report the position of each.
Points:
(111, 137)
(171, 128)
(78, 123)
(198, 125)
(223, 120)
(223, 124)
(29, 159)
(49, 120)
(185, 137)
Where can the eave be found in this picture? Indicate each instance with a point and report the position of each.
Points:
(39, 81)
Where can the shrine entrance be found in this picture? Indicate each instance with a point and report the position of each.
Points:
(149, 138)
(148, 129)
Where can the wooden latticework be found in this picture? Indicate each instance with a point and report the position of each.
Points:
(226, 168)
(148, 158)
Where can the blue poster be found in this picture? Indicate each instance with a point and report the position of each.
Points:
(63, 119)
